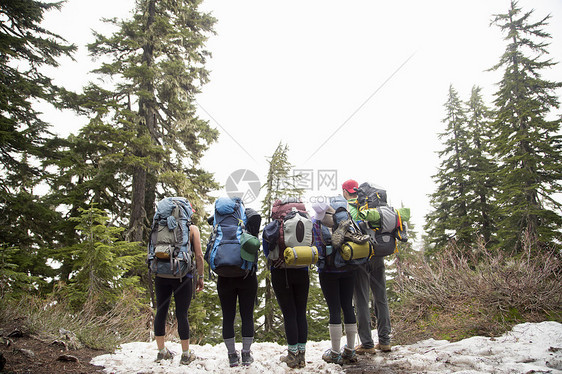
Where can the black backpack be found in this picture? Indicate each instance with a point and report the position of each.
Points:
(383, 235)
(369, 196)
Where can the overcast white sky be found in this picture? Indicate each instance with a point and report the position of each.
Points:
(356, 88)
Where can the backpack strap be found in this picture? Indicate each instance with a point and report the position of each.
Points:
(281, 240)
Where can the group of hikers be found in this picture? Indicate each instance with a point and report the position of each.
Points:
(340, 238)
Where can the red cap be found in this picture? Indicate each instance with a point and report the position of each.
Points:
(350, 186)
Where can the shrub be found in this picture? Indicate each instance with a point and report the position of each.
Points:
(128, 320)
(483, 292)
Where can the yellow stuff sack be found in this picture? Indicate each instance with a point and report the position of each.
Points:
(351, 251)
(300, 256)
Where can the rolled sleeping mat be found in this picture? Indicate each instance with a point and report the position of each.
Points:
(352, 251)
(301, 255)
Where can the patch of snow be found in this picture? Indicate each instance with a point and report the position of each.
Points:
(528, 347)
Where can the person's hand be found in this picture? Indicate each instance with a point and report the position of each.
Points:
(200, 284)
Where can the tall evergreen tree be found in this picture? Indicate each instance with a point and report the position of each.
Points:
(25, 141)
(481, 168)
(280, 182)
(528, 143)
(449, 218)
(25, 47)
(145, 125)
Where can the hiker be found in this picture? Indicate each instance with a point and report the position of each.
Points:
(370, 276)
(234, 260)
(290, 283)
(337, 287)
(181, 289)
(243, 290)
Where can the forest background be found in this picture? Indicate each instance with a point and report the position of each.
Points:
(76, 209)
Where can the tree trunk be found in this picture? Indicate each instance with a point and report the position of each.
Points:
(150, 196)
(147, 114)
(138, 214)
(269, 300)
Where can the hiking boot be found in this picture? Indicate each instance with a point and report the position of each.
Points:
(234, 359)
(360, 350)
(355, 237)
(302, 360)
(166, 355)
(291, 359)
(348, 355)
(338, 235)
(332, 357)
(187, 357)
(383, 347)
(247, 358)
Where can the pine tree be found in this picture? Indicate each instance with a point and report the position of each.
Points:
(449, 218)
(26, 49)
(154, 138)
(481, 169)
(528, 144)
(101, 260)
(280, 183)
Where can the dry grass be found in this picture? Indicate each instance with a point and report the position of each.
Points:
(483, 293)
(48, 319)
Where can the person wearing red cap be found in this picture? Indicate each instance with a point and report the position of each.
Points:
(350, 186)
(370, 276)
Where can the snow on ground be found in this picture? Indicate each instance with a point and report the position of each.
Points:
(528, 348)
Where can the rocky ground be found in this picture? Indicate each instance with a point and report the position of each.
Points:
(21, 353)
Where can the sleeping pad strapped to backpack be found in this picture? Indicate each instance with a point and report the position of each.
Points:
(289, 235)
(350, 254)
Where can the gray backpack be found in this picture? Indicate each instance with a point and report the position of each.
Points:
(169, 250)
(295, 235)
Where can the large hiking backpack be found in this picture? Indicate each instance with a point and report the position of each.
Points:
(391, 224)
(349, 255)
(224, 249)
(289, 235)
(370, 196)
(170, 254)
(339, 204)
(327, 253)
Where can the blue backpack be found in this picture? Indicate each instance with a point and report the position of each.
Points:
(223, 253)
(170, 254)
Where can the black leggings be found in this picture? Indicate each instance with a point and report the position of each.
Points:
(165, 287)
(338, 292)
(291, 289)
(244, 290)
